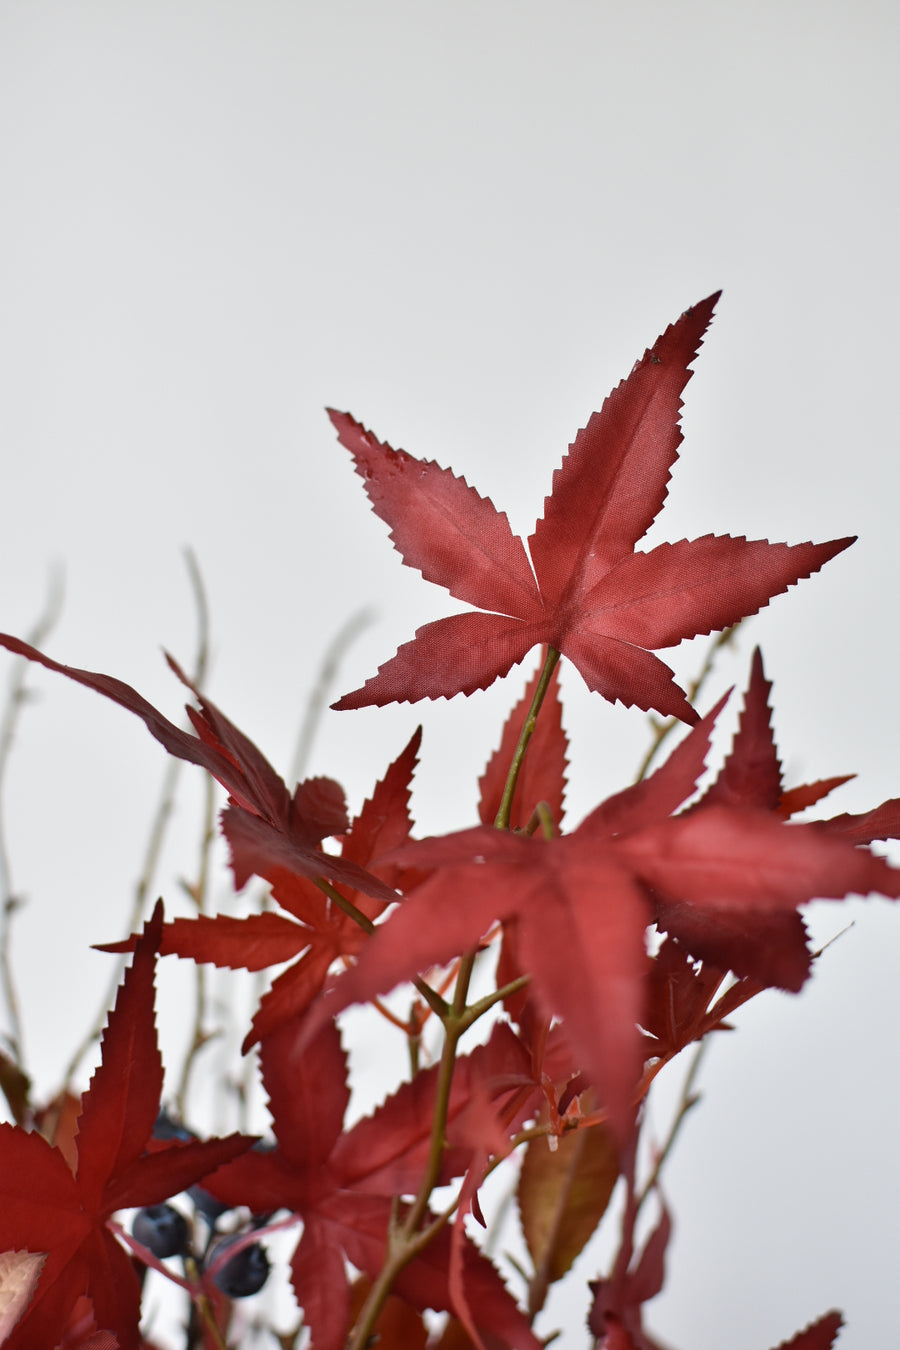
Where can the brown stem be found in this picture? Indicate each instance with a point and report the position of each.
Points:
(198, 893)
(158, 827)
(15, 698)
(686, 1101)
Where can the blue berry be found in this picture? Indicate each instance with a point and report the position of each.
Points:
(162, 1230)
(211, 1208)
(245, 1273)
(167, 1127)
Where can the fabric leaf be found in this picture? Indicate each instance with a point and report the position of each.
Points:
(563, 1194)
(583, 589)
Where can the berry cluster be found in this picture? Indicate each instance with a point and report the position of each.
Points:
(165, 1232)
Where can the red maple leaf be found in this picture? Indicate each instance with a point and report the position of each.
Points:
(46, 1207)
(581, 588)
(582, 903)
(314, 928)
(341, 1184)
(770, 948)
(265, 825)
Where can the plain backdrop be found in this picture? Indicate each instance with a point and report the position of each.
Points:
(463, 223)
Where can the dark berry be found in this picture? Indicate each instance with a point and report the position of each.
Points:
(211, 1208)
(162, 1230)
(245, 1273)
(167, 1127)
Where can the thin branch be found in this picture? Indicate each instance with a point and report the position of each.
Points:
(167, 797)
(483, 1005)
(662, 730)
(199, 893)
(312, 718)
(318, 698)
(433, 999)
(9, 902)
(686, 1101)
(160, 821)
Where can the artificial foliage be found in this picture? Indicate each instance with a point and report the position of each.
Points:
(611, 947)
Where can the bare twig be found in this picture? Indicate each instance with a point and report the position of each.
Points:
(662, 730)
(686, 1101)
(318, 698)
(15, 697)
(312, 717)
(160, 820)
(198, 893)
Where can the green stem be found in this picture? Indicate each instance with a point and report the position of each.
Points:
(483, 1005)
(437, 1004)
(346, 905)
(506, 801)
(405, 1239)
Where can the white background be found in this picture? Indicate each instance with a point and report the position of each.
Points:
(462, 222)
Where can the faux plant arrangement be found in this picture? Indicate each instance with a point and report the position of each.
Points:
(608, 948)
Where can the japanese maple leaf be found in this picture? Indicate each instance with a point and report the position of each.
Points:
(313, 928)
(48, 1208)
(264, 823)
(582, 904)
(770, 947)
(581, 587)
(341, 1183)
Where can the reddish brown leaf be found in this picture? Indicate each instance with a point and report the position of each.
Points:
(589, 594)
(563, 1194)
